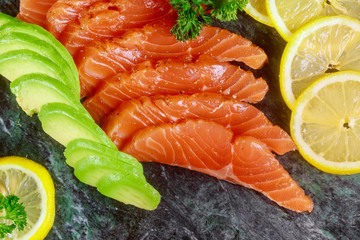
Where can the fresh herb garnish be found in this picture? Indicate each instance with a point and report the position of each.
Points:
(14, 211)
(193, 14)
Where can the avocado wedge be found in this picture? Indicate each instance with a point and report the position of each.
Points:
(129, 189)
(80, 148)
(34, 90)
(20, 41)
(42, 34)
(91, 168)
(65, 123)
(4, 18)
(119, 181)
(14, 64)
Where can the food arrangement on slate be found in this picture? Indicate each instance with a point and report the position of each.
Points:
(179, 119)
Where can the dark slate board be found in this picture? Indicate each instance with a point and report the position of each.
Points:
(193, 205)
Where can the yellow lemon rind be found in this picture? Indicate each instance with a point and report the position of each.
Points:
(255, 14)
(275, 18)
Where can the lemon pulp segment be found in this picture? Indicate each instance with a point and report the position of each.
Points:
(289, 15)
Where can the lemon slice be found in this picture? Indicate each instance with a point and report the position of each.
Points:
(289, 15)
(257, 10)
(326, 45)
(325, 123)
(33, 185)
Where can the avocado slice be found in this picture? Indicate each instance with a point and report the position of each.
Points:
(65, 123)
(129, 189)
(18, 41)
(80, 148)
(4, 18)
(42, 34)
(34, 90)
(14, 64)
(91, 168)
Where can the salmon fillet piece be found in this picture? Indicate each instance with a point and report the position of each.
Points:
(63, 12)
(222, 44)
(104, 59)
(107, 19)
(210, 148)
(174, 77)
(34, 11)
(241, 118)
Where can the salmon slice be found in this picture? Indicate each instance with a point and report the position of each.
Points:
(103, 59)
(209, 148)
(174, 77)
(156, 40)
(240, 117)
(109, 19)
(95, 65)
(63, 12)
(34, 11)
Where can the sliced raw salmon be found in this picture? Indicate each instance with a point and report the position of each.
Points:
(63, 12)
(95, 64)
(174, 77)
(241, 118)
(34, 11)
(209, 148)
(104, 59)
(156, 40)
(110, 19)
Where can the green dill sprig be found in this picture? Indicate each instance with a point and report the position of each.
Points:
(228, 10)
(194, 14)
(14, 211)
(191, 18)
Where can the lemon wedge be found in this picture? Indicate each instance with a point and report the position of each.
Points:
(32, 184)
(325, 45)
(325, 123)
(289, 15)
(257, 10)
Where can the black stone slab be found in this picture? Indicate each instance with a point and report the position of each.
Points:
(193, 205)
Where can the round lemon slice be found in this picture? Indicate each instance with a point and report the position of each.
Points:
(289, 15)
(257, 10)
(33, 185)
(326, 45)
(325, 123)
